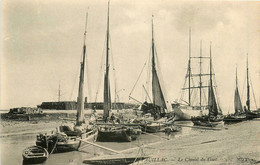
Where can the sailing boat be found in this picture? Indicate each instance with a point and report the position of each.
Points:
(159, 107)
(67, 138)
(214, 117)
(239, 114)
(249, 113)
(189, 109)
(111, 131)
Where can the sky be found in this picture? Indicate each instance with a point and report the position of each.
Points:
(41, 45)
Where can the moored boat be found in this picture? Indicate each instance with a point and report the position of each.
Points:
(159, 106)
(214, 117)
(193, 105)
(106, 130)
(239, 114)
(250, 114)
(118, 133)
(34, 154)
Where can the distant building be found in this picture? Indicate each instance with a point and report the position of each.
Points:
(25, 110)
(62, 105)
(72, 105)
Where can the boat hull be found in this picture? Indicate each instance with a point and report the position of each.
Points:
(106, 134)
(32, 157)
(70, 145)
(207, 123)
(184, 113)
(153, 128)
(252, 115)
(234, 119)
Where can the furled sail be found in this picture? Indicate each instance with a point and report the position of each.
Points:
(107, 96)
(213, 108)
(237, 102)
(80, 99)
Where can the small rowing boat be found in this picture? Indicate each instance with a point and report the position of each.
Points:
(35, 154)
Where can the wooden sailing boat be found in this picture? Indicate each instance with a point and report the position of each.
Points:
(250, 114)
(189, 109)
(159, 107)
(67, 138)
(214, 117)
(106, 131)
(239, 114)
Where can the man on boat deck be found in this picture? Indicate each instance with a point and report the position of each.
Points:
(112, 118)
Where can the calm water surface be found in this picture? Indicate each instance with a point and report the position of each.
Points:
(12, 147)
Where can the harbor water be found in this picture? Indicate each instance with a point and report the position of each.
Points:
(13, 145)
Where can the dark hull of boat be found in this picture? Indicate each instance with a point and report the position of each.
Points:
(35, 154)
(60, 145)
(234, 119)
(67, 146)
(207, 123)
(252, 115)
(152, 128)
(121, 161)
(123, 135)
(34, 160)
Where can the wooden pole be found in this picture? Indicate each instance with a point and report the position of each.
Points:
(199, 127)
(101, 146)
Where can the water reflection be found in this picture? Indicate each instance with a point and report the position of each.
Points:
(13, 146)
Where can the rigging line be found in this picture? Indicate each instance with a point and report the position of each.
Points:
(184, 85)
(215, 88)
(244, 83)
(88, 80)
(113, 65)
(193, 96)
(75, 80)
(149, 68)
(138, 77)
(100, 75)
(250, 80)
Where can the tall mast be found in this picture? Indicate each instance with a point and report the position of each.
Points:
(80, 102)
(210, 67)
(107, 97)
(210, 99)
(153, 60)
(189, 63)
(236, 78)
(200, 83)
(59, 93)
(248, 87)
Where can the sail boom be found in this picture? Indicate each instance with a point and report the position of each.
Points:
(198, 87)
(195, 75)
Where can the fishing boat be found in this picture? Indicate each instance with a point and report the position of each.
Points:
(215, 117)
(159, 108)
(118, 133)
(191, 107)
(68, 138)
(239, 114)
(250, 114)
(34, 154)
(107, 132)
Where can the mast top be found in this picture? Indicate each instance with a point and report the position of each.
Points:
(85, 32)
(152, 28)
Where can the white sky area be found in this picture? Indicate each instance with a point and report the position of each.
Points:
(41, 44)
